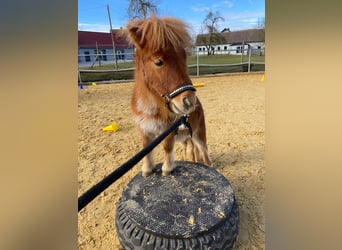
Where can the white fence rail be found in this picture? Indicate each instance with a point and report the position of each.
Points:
(248, 60)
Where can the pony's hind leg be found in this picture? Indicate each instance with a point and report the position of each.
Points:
(188, 147)
(201, 151)
(197, 156)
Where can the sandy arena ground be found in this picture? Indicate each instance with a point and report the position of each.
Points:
(234, 109)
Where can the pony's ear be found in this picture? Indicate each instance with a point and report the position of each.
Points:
(135, 33)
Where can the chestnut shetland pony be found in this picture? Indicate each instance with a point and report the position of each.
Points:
(163, 90)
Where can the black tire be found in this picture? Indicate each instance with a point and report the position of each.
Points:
(192, 208)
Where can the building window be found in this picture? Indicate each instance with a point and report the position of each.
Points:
(238, 49)
(100, 55)
(225, 47)
(218, 48)
(104, 56)
(119, 55)
(200, 49)
(87, 56)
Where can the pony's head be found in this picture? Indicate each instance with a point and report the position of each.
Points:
(161, 60)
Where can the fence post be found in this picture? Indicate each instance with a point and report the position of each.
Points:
(249, 59)
(197, 62)
(79, 75)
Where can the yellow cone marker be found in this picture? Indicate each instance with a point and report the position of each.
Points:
(262, 78)
(93, 83)
(112, 127)
(198, 84)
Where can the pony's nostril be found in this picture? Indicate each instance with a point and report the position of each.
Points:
(186, 103)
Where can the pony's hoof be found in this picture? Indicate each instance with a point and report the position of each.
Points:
(166, 173)
(146, 174)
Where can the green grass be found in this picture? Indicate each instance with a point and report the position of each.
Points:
(203, 59)
(223, 59)
(121, 65)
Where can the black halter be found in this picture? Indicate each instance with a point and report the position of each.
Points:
(175, 92)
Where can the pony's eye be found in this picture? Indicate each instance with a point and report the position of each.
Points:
(158, 62)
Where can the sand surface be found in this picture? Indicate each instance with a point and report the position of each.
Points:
(234, 109)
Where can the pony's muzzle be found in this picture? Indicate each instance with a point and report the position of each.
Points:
(181, 100)
(184, 103)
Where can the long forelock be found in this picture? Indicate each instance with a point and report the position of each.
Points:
(165, 33)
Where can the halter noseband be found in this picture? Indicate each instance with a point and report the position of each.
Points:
(175, 92)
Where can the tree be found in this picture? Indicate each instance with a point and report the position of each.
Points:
(210, 27)
(141, 8)
(261, 33)
(261, 23)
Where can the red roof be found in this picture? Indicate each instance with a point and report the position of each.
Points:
(88, 39)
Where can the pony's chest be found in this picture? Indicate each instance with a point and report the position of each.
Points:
(149, 124)
(151, 114)
(147, 106)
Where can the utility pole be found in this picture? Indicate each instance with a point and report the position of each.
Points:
(111, 33)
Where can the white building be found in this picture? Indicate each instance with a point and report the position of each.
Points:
(92, 44)
(233, 42)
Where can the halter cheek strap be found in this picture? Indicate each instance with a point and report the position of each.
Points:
(175, 92)
(179, 90)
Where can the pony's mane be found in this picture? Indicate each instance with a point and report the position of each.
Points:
(163, 33)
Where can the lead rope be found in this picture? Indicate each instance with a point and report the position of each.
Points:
(94, 191)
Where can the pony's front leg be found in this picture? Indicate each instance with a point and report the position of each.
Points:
(168, 145)
(147, 161)
(147, 165)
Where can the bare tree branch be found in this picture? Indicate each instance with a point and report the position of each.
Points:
(141, 8)
(213, 35)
